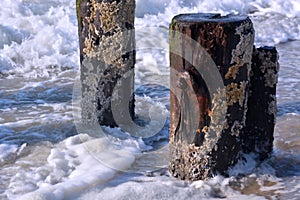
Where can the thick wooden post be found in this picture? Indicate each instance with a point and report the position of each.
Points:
(201, 142)
(262, 107)
(106, 38)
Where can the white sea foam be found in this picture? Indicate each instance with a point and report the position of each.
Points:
(35, 35)
(274, 21)
(9, 152)
(73, 166)
(6, 151)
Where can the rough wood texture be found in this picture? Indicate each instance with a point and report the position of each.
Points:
(205, 131)
(106, 38)
(262, 107)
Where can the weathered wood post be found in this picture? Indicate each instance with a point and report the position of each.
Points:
(201, 143)
(262, 107)
(106, 38)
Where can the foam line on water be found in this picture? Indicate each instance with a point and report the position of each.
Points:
(76, 164)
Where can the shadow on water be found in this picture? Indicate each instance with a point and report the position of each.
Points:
(286, 157)
(286, 165)
(286, 108)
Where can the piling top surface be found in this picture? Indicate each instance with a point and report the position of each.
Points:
(268, 48)
(208, 17)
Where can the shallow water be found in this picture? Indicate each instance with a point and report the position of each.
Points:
(45, 154)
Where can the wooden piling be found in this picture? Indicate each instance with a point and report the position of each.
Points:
(106, 39)
(201, 144)
(262, 107)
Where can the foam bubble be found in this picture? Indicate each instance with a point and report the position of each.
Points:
(10, 152)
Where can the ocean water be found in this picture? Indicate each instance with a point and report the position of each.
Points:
(46, 154)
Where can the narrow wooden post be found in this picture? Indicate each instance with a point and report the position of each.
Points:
(201, 143)
(262, 107)
(106, 38)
